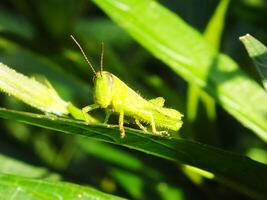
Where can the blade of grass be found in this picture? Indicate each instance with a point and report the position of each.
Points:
(30, 91)
(41, 96)
(181, 47)
(234, 170)
(213, 35)
(214, 29)
(258, 52)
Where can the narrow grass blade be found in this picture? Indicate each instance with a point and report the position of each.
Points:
(214, 29)
(213, 35)
(258, 52)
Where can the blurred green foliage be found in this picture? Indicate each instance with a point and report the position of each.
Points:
(34, 40)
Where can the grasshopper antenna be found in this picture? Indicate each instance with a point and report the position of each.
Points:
(81, 49)
(101, 58)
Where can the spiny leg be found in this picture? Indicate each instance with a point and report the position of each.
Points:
(153, 125)
(87, 109)
(138, 123)
(108, 113)
(121, 118)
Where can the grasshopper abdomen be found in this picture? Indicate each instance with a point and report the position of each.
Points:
(152, 112)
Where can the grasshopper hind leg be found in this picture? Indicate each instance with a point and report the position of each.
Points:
(138, 123)
(153, 126)
(152, 123)
(163, 133)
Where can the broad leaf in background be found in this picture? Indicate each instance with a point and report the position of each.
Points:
(258, 52)
(189, 55)
(15, 25)
(15, 187)
(235, 171)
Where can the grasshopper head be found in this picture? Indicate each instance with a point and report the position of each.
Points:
(103, 83)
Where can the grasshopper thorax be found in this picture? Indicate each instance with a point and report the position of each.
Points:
(103, 84)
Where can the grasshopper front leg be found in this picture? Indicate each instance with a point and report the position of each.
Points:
(108, 113)
(87, 109)
(121, 120)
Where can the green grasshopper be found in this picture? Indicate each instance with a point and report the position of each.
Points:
(115, 96)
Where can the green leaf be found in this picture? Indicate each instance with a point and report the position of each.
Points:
(258, 52)
(14, 24)
(213, 35)
(32, 92)
(185, 51)
(15, 167)
(15, 187)
(214, 29)
(41, 96)
(234, 170)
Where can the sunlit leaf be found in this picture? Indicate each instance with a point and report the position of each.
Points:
(258, 52)
(185, 51)
(15, 187)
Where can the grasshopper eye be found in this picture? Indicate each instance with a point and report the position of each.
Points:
(110, 79)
